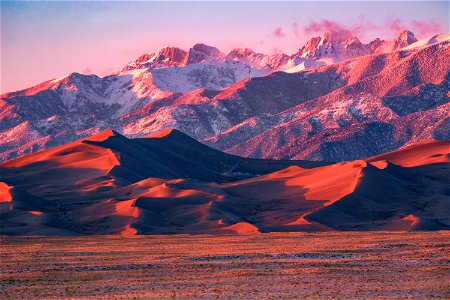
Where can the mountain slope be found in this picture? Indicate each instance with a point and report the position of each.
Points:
(169, 183)
(241, 104)
(374, 107)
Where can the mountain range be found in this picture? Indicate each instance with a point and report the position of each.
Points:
(169, 183)
(336, 99)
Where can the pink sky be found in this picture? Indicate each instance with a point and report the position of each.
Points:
(45, 40)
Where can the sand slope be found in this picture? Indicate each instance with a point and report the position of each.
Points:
(170, 183)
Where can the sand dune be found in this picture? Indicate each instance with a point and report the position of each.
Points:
(170, 183)
(419, 154)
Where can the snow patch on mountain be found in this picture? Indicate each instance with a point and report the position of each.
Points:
(214, 75)
(226, 100)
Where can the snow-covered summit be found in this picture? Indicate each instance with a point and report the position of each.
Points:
(333, 46)
(206, 93)
(258, 60)
(166, 57)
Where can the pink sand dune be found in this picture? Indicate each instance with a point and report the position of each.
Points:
(170, 183)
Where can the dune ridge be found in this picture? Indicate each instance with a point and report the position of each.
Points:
(170, 183)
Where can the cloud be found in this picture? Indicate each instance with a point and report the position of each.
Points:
(321, 26)
(278, 32)
(425, 28)
(361, 26)
(420, 27)
(86, 71)
(394, 25)
(297, 30)
(276, 50)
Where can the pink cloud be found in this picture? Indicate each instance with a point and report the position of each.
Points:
(278, 32)
(297, 30)
(425, 28)
(394, 25)
(87, 71)
(422, 28)
(276, 50)
(360, 27)
(321, 26)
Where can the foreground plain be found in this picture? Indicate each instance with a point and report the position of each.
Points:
(339, 265)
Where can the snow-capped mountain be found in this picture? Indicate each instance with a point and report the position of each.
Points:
(379, 102)
(166, 57)
(339, 45)
(333, 46)
(203, 66)
(241, 102)
(258, 60)
(211, 75)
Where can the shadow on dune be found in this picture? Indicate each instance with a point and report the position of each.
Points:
(170, 183)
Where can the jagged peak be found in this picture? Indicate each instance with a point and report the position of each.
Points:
(405, 33)
(405, 38)
(166, 56)
(241, 52)
(205, 48)
(173, 50)
(201, 52)
(336, 44)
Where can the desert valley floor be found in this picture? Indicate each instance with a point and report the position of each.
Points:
(338, 265)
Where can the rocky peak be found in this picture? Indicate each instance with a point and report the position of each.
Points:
(405, 38)
(170, 56)
(376, 44)
(201, 52)
(240, 53)
(336, 44)
(167, 56)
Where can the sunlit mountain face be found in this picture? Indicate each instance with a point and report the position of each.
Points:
(335, 99)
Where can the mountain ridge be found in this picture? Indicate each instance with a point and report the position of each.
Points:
(322, 101)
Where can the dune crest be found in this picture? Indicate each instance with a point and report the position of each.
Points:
(160, 134)
(170, 183)
(418, 154)
(5, 194)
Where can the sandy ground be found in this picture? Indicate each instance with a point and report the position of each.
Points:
(290, 265)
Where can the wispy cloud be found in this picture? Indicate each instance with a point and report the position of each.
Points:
(361, 26)
(321, 26)
(278, 32)
(87, 71)
(394, 25)
(419, 27)
(296, 29)
(425, 28)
